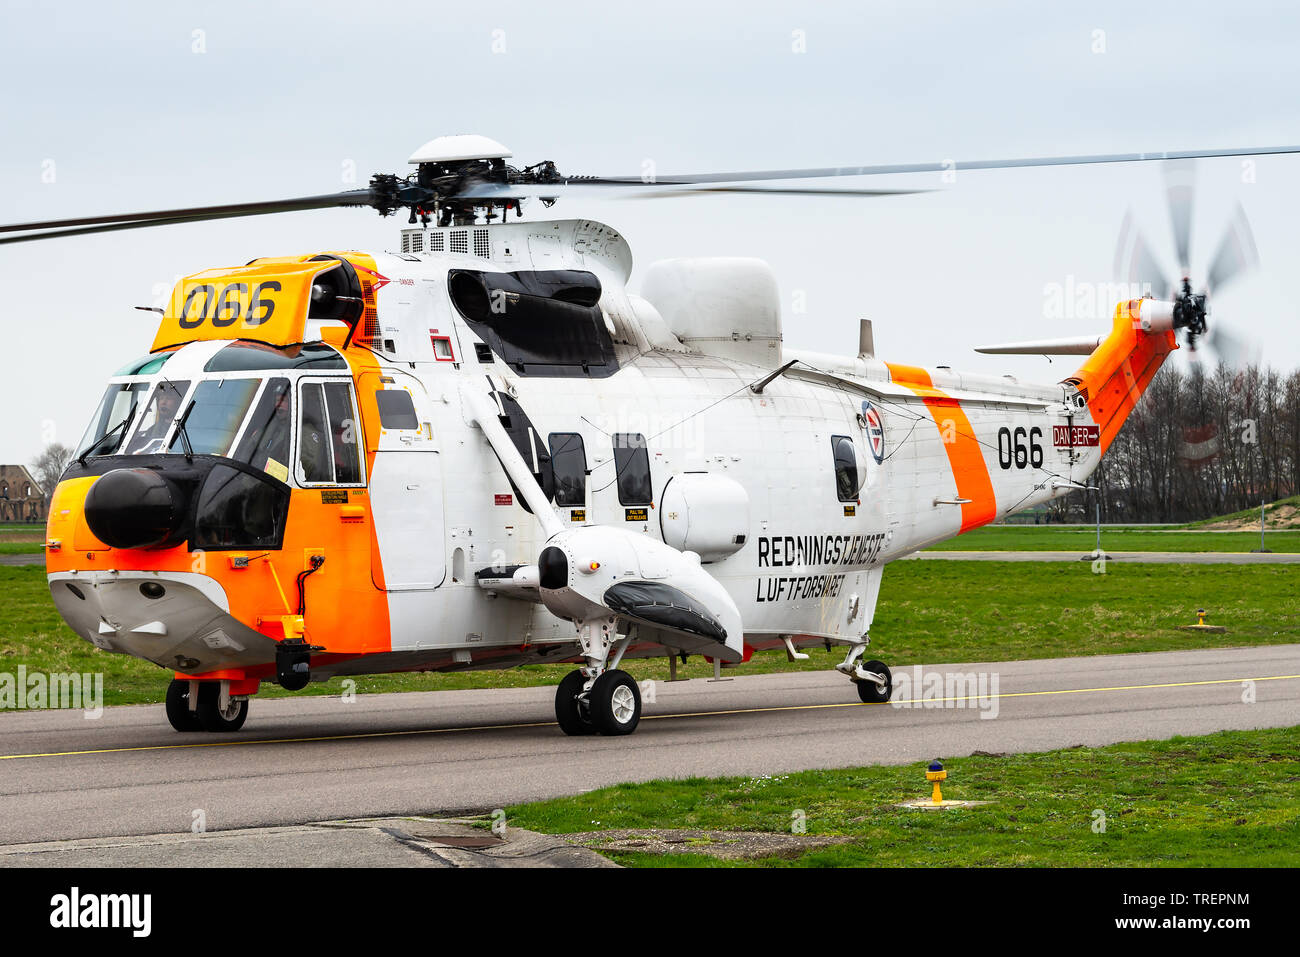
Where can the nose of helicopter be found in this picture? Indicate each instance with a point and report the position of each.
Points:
(134, 508)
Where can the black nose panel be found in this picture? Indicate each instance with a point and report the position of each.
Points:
(553, 568)
(134, 508)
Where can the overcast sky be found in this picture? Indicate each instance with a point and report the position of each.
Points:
(112, 108)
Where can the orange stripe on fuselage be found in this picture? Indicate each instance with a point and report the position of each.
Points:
(965, 456)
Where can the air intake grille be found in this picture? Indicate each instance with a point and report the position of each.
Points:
(435, 242)
(368, 333)
(460, 241)
(417, 243)
(482, 246)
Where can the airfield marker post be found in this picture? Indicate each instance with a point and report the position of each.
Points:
(1262, 548)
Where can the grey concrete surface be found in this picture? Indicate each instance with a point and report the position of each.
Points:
(302, 760)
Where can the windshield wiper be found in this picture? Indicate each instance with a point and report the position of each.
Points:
(185, 436)
(100, 441)
(180, 420)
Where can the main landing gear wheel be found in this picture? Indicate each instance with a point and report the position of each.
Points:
(213, 716)
(572, 714)
(178, 707)
(615, 703)
(869, 691)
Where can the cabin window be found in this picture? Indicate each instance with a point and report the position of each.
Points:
(569, 462)
(328, 438)
(632, 465)
(846, 468)
(396, 409)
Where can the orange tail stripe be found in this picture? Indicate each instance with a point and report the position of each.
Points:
(965, 456)
(1116, 375)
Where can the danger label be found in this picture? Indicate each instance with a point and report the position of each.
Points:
(506, 499)
(1075, 436)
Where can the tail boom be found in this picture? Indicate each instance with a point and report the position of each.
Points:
(1114, 377)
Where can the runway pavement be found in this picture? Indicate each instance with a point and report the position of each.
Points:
(303, 760)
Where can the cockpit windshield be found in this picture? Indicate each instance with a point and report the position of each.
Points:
(214, 414)
(163, 408)
(247, 418)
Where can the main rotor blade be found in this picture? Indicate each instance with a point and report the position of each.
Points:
(55, 227)
(1236, 252)
(1180, 178)
(494, 191)
(1136, 263)
(942, 166)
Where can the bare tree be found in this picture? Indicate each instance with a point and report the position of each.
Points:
(49, 466)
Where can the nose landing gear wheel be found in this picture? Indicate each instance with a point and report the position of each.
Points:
(573, 715)
(615, 703)
(869, 691)
(213, 716)
(178, 707)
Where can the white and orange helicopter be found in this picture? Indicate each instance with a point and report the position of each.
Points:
(482, 450)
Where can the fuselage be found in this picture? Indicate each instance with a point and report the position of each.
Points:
(341, 491)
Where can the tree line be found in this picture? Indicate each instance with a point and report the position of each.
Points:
(1200, 443)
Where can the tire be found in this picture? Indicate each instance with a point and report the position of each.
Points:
(868, 691)
(572, 716)
(210, 714)
(615, 703)
(178, 707)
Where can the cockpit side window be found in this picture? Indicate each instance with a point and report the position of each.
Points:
(329, 441)
(344, 437)
(314, 461)
(265, 444)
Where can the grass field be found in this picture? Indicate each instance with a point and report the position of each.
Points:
(929, 612)
(1136, 538)
(1222, 800)
(1271, 512)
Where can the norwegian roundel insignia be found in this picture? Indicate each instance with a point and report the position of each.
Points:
(875, 432)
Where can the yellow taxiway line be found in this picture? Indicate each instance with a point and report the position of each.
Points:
(651, 717)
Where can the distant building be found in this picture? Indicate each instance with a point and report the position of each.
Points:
(21, 499)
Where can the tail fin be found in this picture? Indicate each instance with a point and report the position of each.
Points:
(1117, 373)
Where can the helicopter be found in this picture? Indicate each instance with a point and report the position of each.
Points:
(481, 450)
